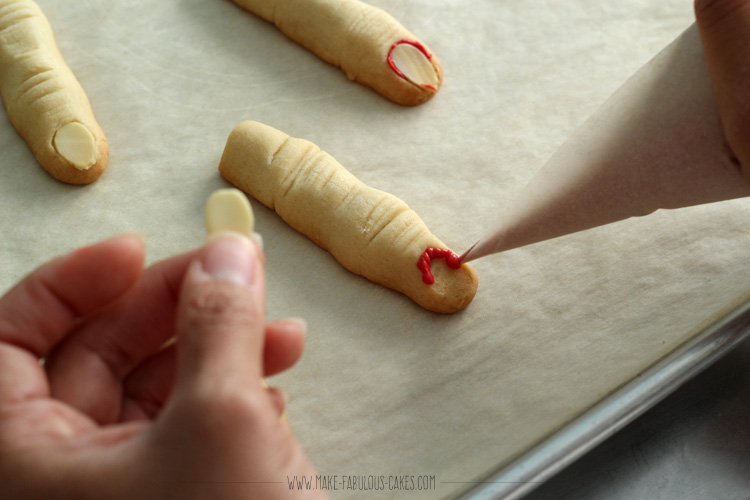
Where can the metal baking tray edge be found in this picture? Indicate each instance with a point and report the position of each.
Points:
(614, 412)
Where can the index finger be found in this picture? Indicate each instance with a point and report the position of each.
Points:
(86, 370)
(40, 310)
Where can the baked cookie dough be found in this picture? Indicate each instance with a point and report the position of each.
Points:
(44, 101)
(366, 42)
(370, 232)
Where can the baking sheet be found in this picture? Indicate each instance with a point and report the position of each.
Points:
(528, 472)
(385, 388)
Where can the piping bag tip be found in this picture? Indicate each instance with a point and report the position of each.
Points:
(466, 256)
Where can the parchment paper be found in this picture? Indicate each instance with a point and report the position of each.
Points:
(386, 388)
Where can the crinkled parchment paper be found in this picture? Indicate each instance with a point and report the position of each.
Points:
(386, 388)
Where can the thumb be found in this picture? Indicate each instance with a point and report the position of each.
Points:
(221, 316)
(220, 427)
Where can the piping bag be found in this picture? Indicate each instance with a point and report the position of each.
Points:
(656, 143)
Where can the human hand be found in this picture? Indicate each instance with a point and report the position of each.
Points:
(112, 413)
(724, 27)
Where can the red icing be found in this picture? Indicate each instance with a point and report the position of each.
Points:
(413, 43)
(424, 264)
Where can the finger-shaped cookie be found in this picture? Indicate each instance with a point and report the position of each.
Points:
(43, 98)
(370, 232)
(366, 42)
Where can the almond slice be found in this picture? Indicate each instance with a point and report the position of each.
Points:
(411, 61)
(229, 210)
(76, 144)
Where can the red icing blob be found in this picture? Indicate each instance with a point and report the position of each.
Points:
(413, 43)
(424, 264)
